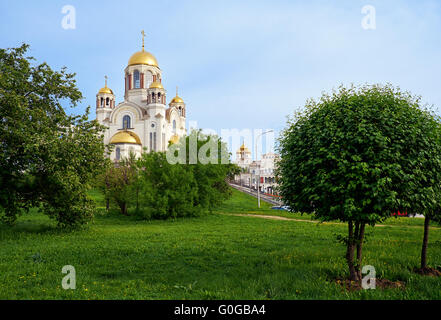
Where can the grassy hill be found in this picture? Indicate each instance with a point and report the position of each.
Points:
(218, 256)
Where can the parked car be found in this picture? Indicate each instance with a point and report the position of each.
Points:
(286, 208)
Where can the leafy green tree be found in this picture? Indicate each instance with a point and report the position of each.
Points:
(167, 190)
(48, 158)
(103, 181)
(198, 183)
(233, 171)
(356, 156)
(209, 160)
(118, 183)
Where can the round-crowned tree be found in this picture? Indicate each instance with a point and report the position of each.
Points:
(356, 156)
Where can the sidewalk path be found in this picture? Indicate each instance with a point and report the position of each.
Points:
(314, 221)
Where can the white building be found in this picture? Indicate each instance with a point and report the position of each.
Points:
(267, 174)
(252, 169)
(142, 122)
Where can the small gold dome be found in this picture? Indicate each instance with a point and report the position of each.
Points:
(177, 99)
(157, 85)
(143, 57)
(106, 90)
(243, 148)
(125, 137)
(174, 139)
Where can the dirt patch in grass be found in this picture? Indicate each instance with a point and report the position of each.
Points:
(382, 284)
(428, 271)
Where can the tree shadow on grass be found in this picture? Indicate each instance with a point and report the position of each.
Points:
(31, 227)
(37, 226)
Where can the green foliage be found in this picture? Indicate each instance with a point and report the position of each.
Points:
(117, 182)
(353, 155)
(155, 188)
(48, 158)
(358, 155)
(167, 190)
(211, 178)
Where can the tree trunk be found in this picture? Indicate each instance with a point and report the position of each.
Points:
(360, 247)
(123, 208)
(425, 240)
(353, 275)
(107, 204)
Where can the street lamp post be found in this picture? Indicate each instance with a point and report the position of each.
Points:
(258, 168)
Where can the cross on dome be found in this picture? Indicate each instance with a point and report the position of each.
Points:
(143, 36)
(105, 89)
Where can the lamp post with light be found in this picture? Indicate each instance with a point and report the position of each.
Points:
(258, 167)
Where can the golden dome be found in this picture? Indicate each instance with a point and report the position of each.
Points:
(174, 139)
(143, 57)
(106, 90)
(243, 148)
(177, 99)
(125, 137)
(157, 85)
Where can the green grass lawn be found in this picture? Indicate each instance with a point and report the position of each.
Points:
(217, 256)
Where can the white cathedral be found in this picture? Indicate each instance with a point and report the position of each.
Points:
(142, 122)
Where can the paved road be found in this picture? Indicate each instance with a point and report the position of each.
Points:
(253, 193)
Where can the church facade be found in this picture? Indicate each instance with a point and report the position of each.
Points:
(143, 122)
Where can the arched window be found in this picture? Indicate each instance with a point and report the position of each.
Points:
(174, 126)
(102, 101)
(136, 79)
(126, 122)
(107, 101)
(118, 154)
(148, 78)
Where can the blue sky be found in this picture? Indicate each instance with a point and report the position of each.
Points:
(239, 64)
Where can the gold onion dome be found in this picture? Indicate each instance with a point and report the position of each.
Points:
(157, 85)
(177, 99)
(143, 57)
(106, 90)
(125, 137)
(243, 148)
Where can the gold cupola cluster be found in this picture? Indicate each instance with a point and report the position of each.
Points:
(145, 120)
